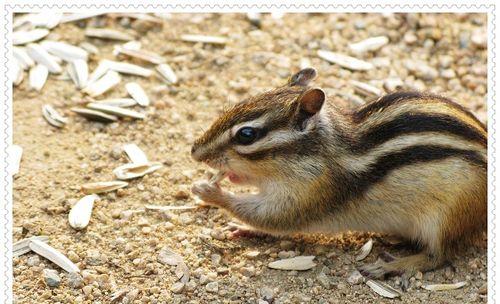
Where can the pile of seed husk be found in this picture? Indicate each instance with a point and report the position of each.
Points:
(42, 55)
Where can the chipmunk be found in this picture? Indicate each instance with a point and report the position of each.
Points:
(408, 164)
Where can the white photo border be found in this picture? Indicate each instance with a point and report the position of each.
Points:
(457, 6)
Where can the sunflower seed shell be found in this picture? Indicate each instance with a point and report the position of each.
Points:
(383, 289)
(142, 55)
(129, 68)
(23, 37)
(366, 89)
(135, 154)
(133, 45)
(99, 71)
(94, 115)
(166, 73)
(17, 72)
(53, 255)
(108, 34)
(38, 76)
(217, 178)
(40, 55)
(118, 102)
(64, 50)
(296, 263)
(393, 84)
(204, 39)
(182, 272)
(121, 112)
(72, 17)
(50, 23)
(89, 47)
(365, 250)
(101, 187)
(368, 45)
(104, 84)
(254, 18)
(139, 16)
(79, 72)
(15, 155)
(442, 287)
(130, 171)
(23, 246)
(169, 257)
(345, 61)
(22, 57)
(137, 93)
(79, 216)
(53, 117)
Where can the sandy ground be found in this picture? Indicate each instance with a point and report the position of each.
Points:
(118, 252)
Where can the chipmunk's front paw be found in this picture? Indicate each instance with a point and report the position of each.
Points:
(211, 193)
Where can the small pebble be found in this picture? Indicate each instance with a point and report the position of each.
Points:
(323, 280)
(87, 290)
(216, 258)
(252, 254)
(248, 271)
(212, 287)
(177, 287)
(190, 286)
(94, 257)
(419, 275)
(218, 234)
(448, 74)
(33, 260)
(355, 278)
(181, 195)
(204, 279)
(51, 277)
(267, 294)
(75, 280)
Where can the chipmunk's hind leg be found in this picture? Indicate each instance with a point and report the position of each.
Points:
(406, 266)
(241, 230)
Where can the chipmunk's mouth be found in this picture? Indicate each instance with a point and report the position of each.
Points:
(234, 178)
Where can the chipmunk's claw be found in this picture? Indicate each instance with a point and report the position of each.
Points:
(387, 257)
(388, 265)
(210, 193)
(374, 271)
(244, 231)
(378, 270)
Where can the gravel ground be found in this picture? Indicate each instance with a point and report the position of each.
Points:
(120, 252)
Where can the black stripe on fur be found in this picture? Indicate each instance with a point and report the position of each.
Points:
(412, 123)
(410, 156)
(407, 96)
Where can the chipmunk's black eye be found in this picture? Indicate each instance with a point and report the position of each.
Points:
(246, 135)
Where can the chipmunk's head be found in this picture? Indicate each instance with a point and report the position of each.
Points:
(256, 137)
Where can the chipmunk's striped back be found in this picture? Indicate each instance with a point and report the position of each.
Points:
(414, 127)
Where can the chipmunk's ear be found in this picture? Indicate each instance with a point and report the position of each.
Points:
(312, 100)
(302, 77)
